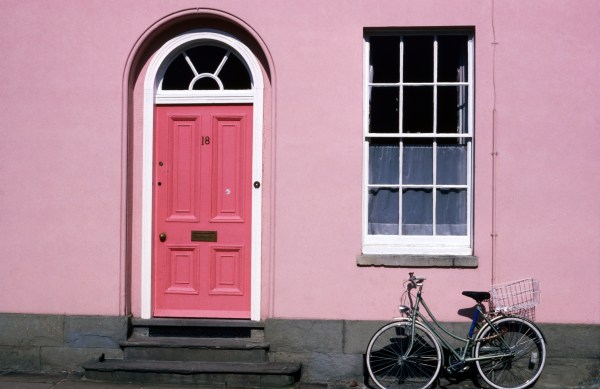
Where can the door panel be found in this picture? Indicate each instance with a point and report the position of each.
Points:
(202, 211)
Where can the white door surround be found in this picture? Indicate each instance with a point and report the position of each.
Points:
(151, 95)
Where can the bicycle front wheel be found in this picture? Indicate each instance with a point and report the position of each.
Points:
(397, 357)
(513, 353)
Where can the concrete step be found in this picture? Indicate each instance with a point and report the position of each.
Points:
(247, 375)
(195, 349)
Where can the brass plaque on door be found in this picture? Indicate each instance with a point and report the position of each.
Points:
(204, 236)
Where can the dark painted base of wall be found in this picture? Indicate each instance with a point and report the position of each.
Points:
(56, 343)
(329, 350)
(334, 350)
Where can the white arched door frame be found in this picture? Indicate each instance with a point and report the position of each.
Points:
(152, 95)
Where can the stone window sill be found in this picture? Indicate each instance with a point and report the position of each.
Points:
(418, 261)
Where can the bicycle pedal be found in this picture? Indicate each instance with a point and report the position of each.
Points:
(458, 368)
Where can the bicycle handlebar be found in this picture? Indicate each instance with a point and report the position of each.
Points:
(416, 280)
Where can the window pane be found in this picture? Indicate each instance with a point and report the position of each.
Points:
(452, 58)
(206, 59)
(452, 164)
(234, 74)
(451, 212)
(452, 110)
(384, 162)
(417, 163)
(383, 211)
(383, 117)
(178, 75)
(385, 58)
(418, 59)
(417, 212)
(206, 83)
(417, 109)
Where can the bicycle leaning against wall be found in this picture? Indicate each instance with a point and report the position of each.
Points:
(508, 350)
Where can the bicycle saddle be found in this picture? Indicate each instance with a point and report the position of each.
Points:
(477, 296)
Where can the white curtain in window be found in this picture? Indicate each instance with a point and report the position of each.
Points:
(384, 167)
(417, 203)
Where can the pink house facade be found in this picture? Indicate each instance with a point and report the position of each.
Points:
(347, 145)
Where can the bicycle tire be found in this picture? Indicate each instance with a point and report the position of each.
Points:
(391, 367)
(527, 351)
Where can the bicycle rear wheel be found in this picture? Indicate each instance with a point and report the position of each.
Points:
(516, 353)
(392, 363)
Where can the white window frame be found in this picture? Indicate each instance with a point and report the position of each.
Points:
(414, 244)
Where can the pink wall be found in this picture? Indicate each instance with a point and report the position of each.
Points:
(62, 194)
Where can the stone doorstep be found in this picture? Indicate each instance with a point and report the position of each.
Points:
(195, 349)
(195, 343)
(275, 374)
(194, 367)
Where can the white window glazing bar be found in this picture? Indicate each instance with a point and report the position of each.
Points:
(470, 126)
(400, 132)
(434, 148)
(419, 135)
(366, 156)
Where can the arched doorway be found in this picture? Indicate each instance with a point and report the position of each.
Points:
(201, 179)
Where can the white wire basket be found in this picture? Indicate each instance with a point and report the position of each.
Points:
(516, 298)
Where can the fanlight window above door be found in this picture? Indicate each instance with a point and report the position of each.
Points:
(206, 68)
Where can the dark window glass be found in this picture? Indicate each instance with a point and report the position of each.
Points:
(385, 58)
(206, 83)
(383, 116)
(418, 109)
(452, 58)
(178, 75)
(418, 58)
(206, 59)
(234, 74)
(451, 109)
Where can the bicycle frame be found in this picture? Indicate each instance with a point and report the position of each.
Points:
(468, 342)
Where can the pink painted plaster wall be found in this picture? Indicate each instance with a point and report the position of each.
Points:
(62, 183)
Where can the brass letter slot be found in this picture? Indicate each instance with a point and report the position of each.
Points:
(204, 236)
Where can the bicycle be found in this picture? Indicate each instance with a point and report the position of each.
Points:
(509, 351)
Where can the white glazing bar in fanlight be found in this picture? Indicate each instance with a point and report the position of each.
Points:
(189, 61)
(225, 58)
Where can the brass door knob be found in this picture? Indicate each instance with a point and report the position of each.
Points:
(162, 237)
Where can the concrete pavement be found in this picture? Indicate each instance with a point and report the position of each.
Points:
(560, 373)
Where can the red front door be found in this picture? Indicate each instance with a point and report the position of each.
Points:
(202, 211)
